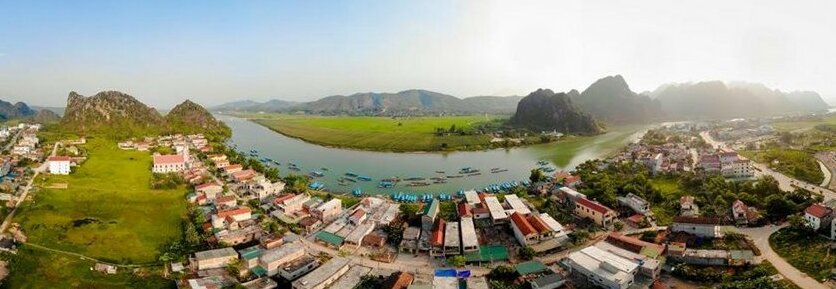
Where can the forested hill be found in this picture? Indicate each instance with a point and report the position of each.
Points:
(610, 99)
(545, 110)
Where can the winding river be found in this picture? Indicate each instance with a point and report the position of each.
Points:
(515, 163)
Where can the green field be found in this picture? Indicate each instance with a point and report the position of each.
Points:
(108, 211)
(803, 125)
(378, 133)
(795, 163)
(807, 252)
(35, 269)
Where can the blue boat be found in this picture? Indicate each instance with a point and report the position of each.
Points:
(317, 174)
(364, 178)
(350, 174)
(316, 186)
(357, 192)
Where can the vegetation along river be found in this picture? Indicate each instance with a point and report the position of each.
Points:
(514, 164)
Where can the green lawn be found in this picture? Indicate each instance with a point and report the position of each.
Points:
(108, 211)
(798, 164)
(803, 125)
(35, 269)
(806, 252)
(378, 133)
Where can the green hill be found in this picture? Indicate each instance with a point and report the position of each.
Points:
(545, 110)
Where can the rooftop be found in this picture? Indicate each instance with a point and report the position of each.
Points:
(452, 235)
(280, 252)
(530, 267)
(169, 159)
(517, 204)
(522, 224)
(216, 253)
(818, 210)
(469, 238)
(497, 212)
(592, 205)
(330, 268)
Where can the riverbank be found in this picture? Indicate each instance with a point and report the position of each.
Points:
(395, 134)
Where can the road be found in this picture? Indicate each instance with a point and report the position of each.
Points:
(25, 191)
(13, 141)
(760, 236)
(785, 182)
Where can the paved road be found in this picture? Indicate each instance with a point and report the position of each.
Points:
(26, 189)
(760, 236)
(785, 182)
(13, 141)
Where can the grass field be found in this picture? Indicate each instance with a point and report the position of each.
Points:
(807, 252)
(108, 211)
(803, 125)
(378, 133)
(795, 163)
(35, 269)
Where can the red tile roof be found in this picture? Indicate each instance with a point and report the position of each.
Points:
(398, 280)
(632, 244)
(205, 186)
(522, 224)
(280, 199)
(234, 212)
(464, 209)
(225, 199)
(58, 159)
(169, 159)
(437, 238)
(538, 224)
(818, 211)
(595, 206)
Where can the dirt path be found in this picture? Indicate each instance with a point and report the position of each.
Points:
(760, 236)
(83, 257)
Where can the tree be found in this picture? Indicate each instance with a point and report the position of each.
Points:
(778, 207)
(456, 261)
(527, 253)
(191, 235)
(537, 176)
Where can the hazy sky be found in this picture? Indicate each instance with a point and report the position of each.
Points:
(168, 51)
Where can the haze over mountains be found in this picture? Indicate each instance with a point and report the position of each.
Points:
(545, 110)
(609, 99)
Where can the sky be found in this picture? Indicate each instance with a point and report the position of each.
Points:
(211, 52)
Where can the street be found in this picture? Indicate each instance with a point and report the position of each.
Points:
(760, 236)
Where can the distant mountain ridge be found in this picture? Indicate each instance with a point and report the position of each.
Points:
(120, 115)
(10, 110)
(611, 100)
(545, 110)
(716, 99)
(413, 102)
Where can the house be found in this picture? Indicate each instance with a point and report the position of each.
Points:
(293, 203)
(437, 239)
(271, 241)
(498, 214)
(687, 207)
(549, 281)
(740, 213)
(598, 213)
(356, 236)
(169, 164)
(398, 280)
(430, 212)
(244, 175)
(569, 196)
(209, 282)
(273, 259)
(327, 211)
(635, 203)
(471, 197)
(452, 240)
(299, 267)
(816, 215)
(375, 240)
(217, 258)
(601, 268)
(210, 190)
(227, 201)
(699, 226)
(59, 165)
(470, 241)
(324, 275)
(310, 224)
(514, 202)
(357, 217)
(523, 230)
(409, 242)
(330, 239)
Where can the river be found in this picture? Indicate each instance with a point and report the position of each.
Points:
(518, 162)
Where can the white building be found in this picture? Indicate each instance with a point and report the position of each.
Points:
(498, 214)
(59, 165)
(602, 268)
(328, 211)
(816, 215)
(272, 260)
(516, 204)
(217, 258)
(169, 164)
(324, 275)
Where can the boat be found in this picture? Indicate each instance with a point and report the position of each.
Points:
(349, 179)
(317, 174)
(455, 176)
(324, 169)
(316, 186)
(474, 174)
(295, 169)
(364, 178)
(357, 192)
(439, 172)
(499, 171)
(468, 171)
(415, 179)
(542, 163)
(418, 184)
(350, 174)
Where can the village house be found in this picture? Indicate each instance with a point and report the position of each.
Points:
(437, 239)
(272, 260)
(299, 267)
(210, 190)
(169, 164)
(217, 258)
(602, 268)
(598, 213)
(409, 242)
(687, 207)
(816, 215)
(327, 211)
(59, 165)
(428, 217)
(324, 275)
(698, 226)
(470, 241)
(292, 204)
(635, 203)
(523, 230)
